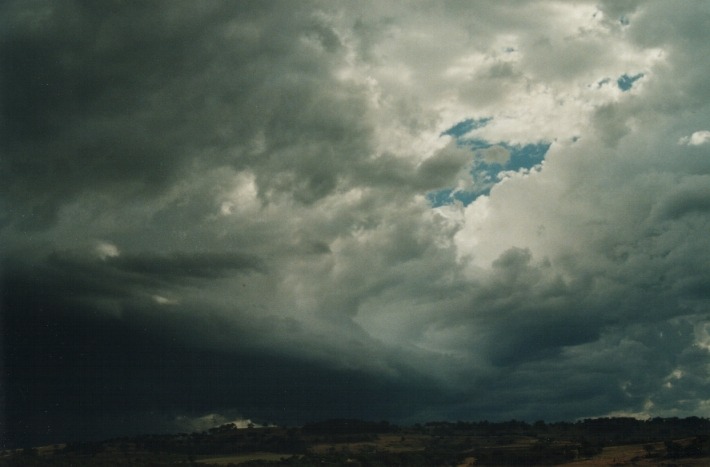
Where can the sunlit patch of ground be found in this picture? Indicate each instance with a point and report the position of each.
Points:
(636, 455)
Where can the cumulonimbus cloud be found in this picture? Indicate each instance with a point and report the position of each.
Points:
(240, 185)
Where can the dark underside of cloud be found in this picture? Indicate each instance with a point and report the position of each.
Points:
(72, 374)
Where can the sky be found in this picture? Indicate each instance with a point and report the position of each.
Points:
(290, 211)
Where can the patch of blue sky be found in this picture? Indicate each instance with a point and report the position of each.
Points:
(474, 143)
(485, 174)
(625, 82)
(448, 196)
(440, 197)
(525, 156)
(465, 126)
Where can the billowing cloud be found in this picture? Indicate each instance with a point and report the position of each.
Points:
(282, 211)
(698, 138)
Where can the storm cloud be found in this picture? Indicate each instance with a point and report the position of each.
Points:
(289, 211)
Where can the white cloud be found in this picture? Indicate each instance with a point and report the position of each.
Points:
(106, 250)
(698, 138)
(160, 300)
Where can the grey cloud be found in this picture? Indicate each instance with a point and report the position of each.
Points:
(106, 377)
(660, 18)
(615, 10)
(568, 58)
(624, 367)
(612, 123)
(442, 168)
(257, 175)
(198, 265)
(116, 101)
(492, 84)
(73, 277)
(77, 93)
(693, 196)
(526, 312)
(369, 33)
(671, 91)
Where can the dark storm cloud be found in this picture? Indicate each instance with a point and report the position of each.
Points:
(77, 86)
(116, 98)
(72, 371)
(73, 276)
(523, 312)
(220, 207)
(689, 198)
(206, 265)
(102, 377)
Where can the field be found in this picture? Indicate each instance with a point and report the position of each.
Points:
(599, 442)
(242, 458)
(636, 455)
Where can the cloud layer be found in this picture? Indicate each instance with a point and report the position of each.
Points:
(283, 211)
